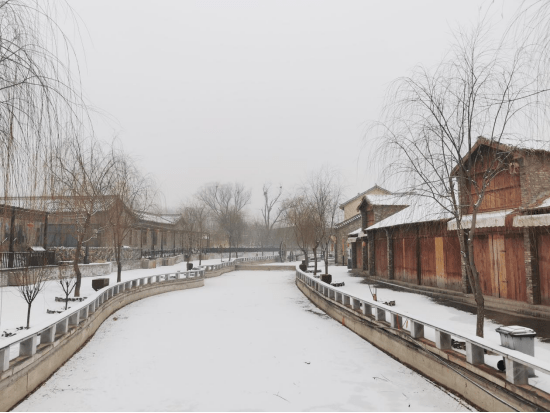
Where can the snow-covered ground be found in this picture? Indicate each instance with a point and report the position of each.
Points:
(425, 308)
(13, 309)
(248, 340)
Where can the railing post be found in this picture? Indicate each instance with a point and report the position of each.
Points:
(516, 373)
(27, 347)
(474, 354)
(4, 358)
(442, 340)
(48, 335)
(417, 329)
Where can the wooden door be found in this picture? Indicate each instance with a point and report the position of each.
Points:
(498, 266)
(516, 287)
(482, 259)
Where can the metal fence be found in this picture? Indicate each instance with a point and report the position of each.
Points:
(152, 254)
(26, 259)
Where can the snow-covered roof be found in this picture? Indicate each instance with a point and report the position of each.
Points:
(391, 199)
(347, 221)
(539, 220)
(357, 232)
(375, 187)
(61, 204)
(159, 218)
(420, 209)
(483, 220)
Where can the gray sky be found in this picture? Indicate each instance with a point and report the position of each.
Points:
(253, 91)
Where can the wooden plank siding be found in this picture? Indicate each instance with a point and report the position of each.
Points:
(453, 265)
(500, 262)
(543, 252)
(427, 262)
(359, 251)
(381, 254)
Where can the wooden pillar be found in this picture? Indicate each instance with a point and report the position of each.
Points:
(532, 275)
(389, 244)
(354, 256)
(45, 234)
(418, 258)
(365, 252)
(371, 254)
(12, 236)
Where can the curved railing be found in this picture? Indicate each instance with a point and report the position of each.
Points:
(24, 344)
(215, 267)
(56, 329)
(516, 363)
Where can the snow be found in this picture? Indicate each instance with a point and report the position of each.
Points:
(422, 307)
(13, 309)
(420, 209)
(483, 220)
(248, 340)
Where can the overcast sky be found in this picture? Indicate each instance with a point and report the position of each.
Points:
(203, 91)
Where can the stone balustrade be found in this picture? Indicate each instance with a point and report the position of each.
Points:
(517, 363)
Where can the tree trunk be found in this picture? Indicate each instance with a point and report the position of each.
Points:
(326, 260)
(29, 314)
(315, 258)
(77, 268)
(118, 264)
(476, 288)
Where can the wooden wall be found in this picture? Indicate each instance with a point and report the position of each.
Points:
(499, 259)
(543, 252)
(404, 256)
(381, 254)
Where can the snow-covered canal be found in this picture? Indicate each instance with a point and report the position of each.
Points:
(246, 341)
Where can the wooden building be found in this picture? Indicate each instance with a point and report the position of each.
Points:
(419, 245)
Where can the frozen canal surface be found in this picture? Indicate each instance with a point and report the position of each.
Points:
(246, 341)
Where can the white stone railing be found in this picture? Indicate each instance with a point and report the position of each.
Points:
(27, 343)
(215, 267)
(516, 363)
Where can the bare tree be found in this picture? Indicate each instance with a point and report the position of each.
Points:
(270, 215)
(67, 279)
(431, 122)
(83, 177)
(128, 195)
(299, 216)
(324, 195)
(226, 203)
(30, 282)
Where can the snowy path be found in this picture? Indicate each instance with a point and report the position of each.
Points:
(248, 340)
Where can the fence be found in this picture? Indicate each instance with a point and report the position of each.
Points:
(26, 259)
(153, 254)
(28, 344)
(516, 363)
